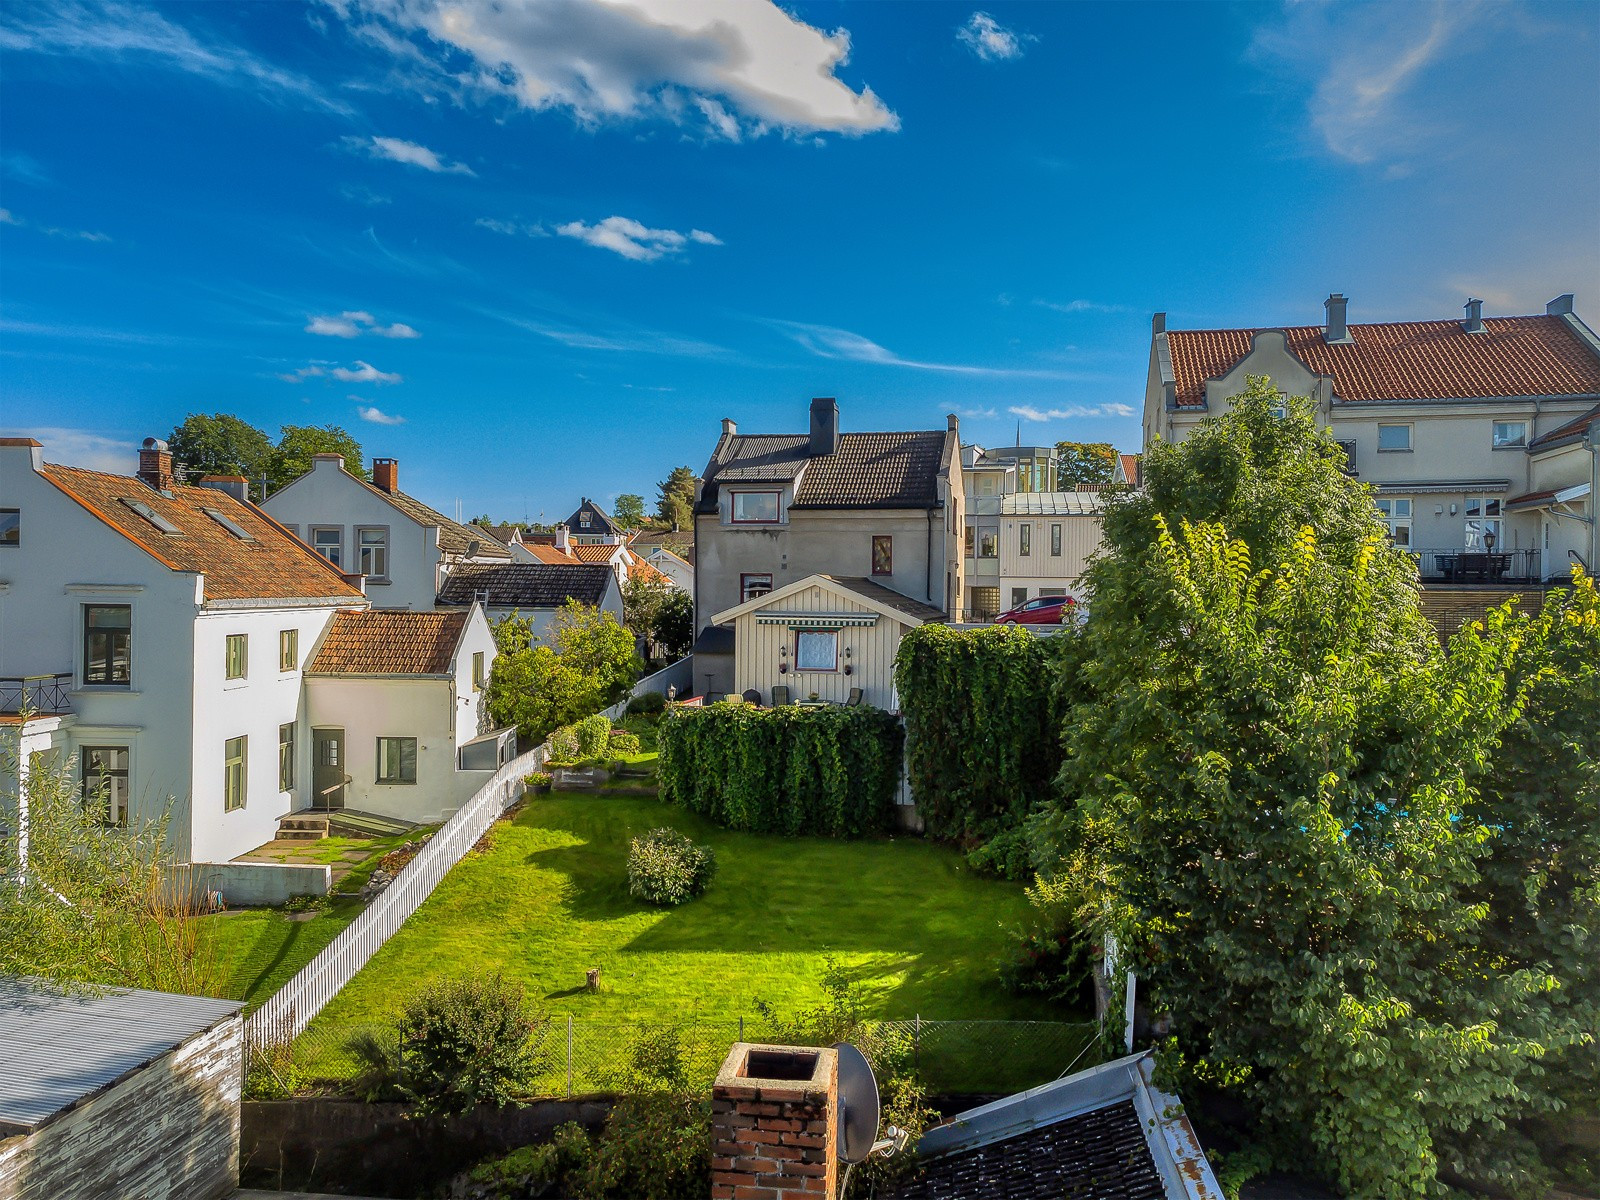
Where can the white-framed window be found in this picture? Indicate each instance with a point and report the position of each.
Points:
(479, 675)
(397, 760)
(233, 773)
(755, 508)
(753, 584)
(1055, 540)
(105, 780)
(328, 541)
(1510, 435)
(372, 551)
(1396, 514)
(816, 650)
(1394, 438)
(1483, 522)
(236, 656)
(286, 757)
(288, 649)
(1025, 539)
(988, 541)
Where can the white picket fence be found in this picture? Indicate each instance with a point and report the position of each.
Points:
(289, 1011)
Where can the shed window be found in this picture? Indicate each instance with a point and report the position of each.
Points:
(817, 650)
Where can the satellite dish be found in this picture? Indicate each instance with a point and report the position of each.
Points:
(858, 1104)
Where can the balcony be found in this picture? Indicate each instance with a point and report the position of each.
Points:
(1479, 566)
(39, 695)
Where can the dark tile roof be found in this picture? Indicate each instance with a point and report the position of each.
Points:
(454, 537)
(1410, 360)
(1572, 431)
(889, 598)
(527, 585)
(1097, 1155)
(603, 526)
(384, 642)
(272, 564)
(868, 470)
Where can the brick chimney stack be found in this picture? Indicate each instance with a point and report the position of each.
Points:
(386, 474)
(774, 1124)
(155, 465)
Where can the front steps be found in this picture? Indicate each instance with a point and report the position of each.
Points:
(302, 827)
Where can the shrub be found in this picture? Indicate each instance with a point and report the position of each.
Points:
(378, 1076)
(537, 779)
(664, 867)
(271, 1072)
(564, 745)
(621, 742)
(649, 702)
(592, 733)
(467, 1041)
(530, 1172)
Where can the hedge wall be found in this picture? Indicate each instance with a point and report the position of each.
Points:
(983, 724)
(828, 771)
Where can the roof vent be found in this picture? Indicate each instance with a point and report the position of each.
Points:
(1338, 329)
(1474, 321)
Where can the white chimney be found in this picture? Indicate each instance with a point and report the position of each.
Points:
(1338, 330)
(1560, 306)
(728, 427)
(1474, 321)
(562, 537)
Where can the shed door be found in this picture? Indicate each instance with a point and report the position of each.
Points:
(327, 775)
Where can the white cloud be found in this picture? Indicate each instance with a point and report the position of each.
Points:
(361, 372)
(512, 228)
(756, 66)
(84, 448)
(410, 153)
(354, 324)
(123, 33)
(990, 40)
(7, 217)
(1070, 412)
(378, 417)
(1081, 306)
(827, 342)
(631, 239)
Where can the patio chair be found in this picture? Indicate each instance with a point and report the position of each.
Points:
(855, 698)
(780, 696)
(751, 696)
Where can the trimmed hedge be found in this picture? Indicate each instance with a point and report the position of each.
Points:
(827, 771)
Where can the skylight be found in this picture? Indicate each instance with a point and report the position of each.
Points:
(232, 526)
(151, 515)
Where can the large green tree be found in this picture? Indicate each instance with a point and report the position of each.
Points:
(222, 444)
(629, 510)
(292, 457)
(1079, 463)
(588, 662)
(675, 502)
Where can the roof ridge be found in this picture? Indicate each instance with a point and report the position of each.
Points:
(1442, 321)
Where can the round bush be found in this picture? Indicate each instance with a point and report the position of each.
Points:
(649, 702)
(592, 734)
(564, 745)
(622, 742)
(664, 867)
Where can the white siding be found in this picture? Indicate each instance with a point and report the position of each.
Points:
(757, 653)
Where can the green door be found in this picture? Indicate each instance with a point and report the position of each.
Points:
(327, 775)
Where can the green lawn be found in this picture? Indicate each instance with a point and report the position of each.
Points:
(921, 931)
(259, 949)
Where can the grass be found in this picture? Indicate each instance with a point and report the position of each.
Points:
(258, 950)
(548, 898)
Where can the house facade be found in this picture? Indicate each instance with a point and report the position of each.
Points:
(1460, 426)
(404, 548)
(591, 525)
(776, 508)
(159, 635)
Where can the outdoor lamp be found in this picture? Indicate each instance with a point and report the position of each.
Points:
(1488, 538)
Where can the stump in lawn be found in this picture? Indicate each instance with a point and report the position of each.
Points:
(591, 979)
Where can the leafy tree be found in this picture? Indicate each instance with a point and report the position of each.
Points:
(659, 613)
(674, 628)
(292, 457)
(1079, 463)
(590, 663)
(675, 505)
(221, 444)
(629, 510)
(591, 640)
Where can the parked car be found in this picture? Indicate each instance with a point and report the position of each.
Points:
(1045, 610)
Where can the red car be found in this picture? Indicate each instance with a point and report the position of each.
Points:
(1046, 610)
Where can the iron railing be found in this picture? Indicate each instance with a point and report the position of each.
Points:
(1478, 566)
(35, 693)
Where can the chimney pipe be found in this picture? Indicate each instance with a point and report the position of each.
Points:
(824, 426)
(1474, 321)
(155, 465)
(952, 423)
(1338, 329)
(1560, 306)
(236, 486)
(386, 474)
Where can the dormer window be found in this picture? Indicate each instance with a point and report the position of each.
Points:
(228, 523)
(755, 508)
(155, 518)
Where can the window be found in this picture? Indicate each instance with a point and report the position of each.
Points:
(288, 649)
(1396, 514)
(477, 671)
(1349, 448)
(1510, 435)
(328, 541)
(286, 757)
(1055, 540)
(1052, 592)
(816, 650)
(228, 523)
(237, 656)
(988, 541)
(1025, 539)
(585, 520)
(105, 780)
(107, 643)
(233, 751)
(397, 760)
(755, 508)
(1394, 437)
(1019, 597)
(971, 534)
(1483, 522)
(882, 554)
(372, 550)
(10, 526)
(985, 603)
(751, 586)
(151, 515)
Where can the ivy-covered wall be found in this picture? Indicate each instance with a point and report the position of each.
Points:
(827, 771)
(983, 724)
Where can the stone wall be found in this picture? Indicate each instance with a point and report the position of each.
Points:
(169, 1131)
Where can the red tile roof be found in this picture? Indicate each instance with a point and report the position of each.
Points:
(382, 642)
(1410, 360)
(594, 553)
(272, 564)
(1572, 431)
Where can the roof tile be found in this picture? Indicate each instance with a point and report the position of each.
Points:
(527, 585)
(388, 642)
(868, 470)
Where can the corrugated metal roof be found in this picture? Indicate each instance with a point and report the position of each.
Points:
(1052, 504)
(60, 1049)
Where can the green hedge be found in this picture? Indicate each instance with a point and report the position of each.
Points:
(829, 771)
(983, 724)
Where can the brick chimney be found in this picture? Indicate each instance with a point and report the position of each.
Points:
(155, 465)
(824, 426)
(1474, 321)
(1338, 330)
(774, 1124)
(386, 474)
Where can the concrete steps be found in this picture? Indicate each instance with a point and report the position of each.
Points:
(302, 827)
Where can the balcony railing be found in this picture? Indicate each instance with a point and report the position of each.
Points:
(35, 693)
(1479, 566)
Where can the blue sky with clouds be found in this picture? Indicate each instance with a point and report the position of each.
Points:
(537, 251)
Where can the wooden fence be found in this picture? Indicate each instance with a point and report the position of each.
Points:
(287, 1013)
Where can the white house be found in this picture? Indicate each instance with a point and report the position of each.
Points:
(392, 698)
(536, 591)
(163, 629)
(678, 570)
(404, 548)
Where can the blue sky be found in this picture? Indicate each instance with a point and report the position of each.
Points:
(537, 252)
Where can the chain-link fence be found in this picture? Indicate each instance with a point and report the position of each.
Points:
(581, 1056)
